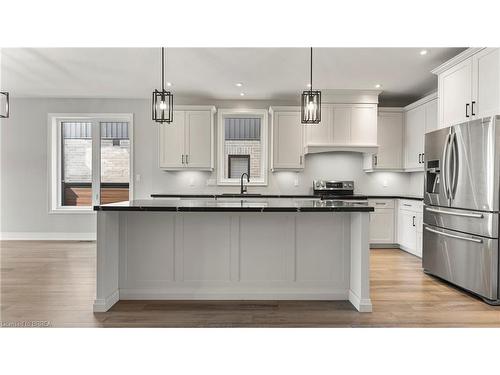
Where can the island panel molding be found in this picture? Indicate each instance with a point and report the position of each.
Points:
(232, 256)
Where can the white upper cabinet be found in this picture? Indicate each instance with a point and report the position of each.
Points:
(420, 118)
(486, 83)
(341, 124)
(469, 86)
(287, 138)
(188, 142)
(390, 141)
(363, 124)
(456, 93)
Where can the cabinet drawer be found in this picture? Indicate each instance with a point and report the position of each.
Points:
(410, 205)
(381, 203)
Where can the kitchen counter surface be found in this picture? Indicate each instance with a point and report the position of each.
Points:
(281, 196)
(237, 205)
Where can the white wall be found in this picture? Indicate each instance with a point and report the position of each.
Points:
(24, 177)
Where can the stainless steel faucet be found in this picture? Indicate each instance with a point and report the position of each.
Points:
(243, 187)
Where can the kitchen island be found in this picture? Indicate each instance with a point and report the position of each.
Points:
(238, 249)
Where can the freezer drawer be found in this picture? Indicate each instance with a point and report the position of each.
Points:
(479, 223)
(470, 262)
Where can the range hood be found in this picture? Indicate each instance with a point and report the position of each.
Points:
(321, 148)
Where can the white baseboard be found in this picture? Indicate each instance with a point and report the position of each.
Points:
(46, 236)
(104, 304)
(228, 294)
(362, 305)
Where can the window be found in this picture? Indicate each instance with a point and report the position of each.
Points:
(242, 146)
(90, 161)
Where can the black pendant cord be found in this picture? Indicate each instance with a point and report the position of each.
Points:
(311, 82)
(162, 69)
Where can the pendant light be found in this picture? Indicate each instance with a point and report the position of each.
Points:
(5, 113)
(163, 101)
(311, 102)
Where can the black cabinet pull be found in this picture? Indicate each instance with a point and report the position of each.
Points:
(423, 153)
(419, 158)
(472, 109)
(376, 161)
(467, 110)
(413, 220)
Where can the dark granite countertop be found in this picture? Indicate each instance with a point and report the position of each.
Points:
(281, 196)
(232, 205)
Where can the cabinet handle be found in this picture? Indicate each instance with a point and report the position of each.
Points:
(467, 110)
(423, 160)
(413, 220)
(182, 158)
(376, 160)
(187, 160)
(407, 205)
(300, 159)
(472, 109)
(419, 158)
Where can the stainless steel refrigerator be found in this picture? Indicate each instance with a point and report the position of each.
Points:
(461, 206)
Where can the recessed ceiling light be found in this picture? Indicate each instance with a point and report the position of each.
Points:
(378, 85)
(239, 84)
(423, 52)
(242, 94)
(169, 84)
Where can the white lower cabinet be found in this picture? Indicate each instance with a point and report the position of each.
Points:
(397, 222)
(382, 221)
(410, 218)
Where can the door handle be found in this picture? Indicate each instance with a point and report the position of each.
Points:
(472, 108)
(467, 110)
(476, 216)
(471, 239)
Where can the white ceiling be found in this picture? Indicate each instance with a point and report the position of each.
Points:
(266, 73)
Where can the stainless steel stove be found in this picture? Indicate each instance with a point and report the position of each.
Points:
(343, 190)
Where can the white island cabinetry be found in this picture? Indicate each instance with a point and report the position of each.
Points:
(244, 251)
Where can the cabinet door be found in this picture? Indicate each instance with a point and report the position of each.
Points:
(199, 139)
(364, 124)
(431, 115)
(390, 141)
(287, 140)
(414, 137)
(419, 234)
(486, 83)
(321, 133)
(455, 90)
(341, 116)
(382, 226)
(406, 230)
(171, 142)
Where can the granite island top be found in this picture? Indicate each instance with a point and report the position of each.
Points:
(238, 205)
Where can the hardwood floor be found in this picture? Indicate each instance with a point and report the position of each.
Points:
(54, 283)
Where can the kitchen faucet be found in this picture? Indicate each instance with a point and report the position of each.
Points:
(243, 187)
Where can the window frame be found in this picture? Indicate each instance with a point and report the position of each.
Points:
(222, 114)
(55, 157)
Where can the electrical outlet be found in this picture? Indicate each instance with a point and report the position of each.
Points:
(211, 182)
(296, 180)
(191, 181)
(137, 178)
(385, 183)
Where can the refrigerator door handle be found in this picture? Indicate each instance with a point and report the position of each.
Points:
(476, 216)
(471, 239)
(454, 172)
(445, 168)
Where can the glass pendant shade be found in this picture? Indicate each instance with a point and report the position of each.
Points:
(163, 106)
(4, 112)
(311, 107)
(163, 100)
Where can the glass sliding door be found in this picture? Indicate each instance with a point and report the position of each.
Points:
(114, 161)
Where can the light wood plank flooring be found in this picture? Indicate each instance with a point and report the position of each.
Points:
(55, 282)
